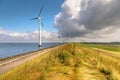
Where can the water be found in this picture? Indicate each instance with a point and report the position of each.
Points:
(10, 49)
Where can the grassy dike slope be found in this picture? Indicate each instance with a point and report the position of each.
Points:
(68, 62)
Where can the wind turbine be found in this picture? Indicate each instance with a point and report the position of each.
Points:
(40, 24)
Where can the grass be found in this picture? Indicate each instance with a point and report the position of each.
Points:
(111, 47)
(68, 62)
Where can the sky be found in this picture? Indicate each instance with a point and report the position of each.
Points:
(72, 20)
(16, 15)
(90, 20)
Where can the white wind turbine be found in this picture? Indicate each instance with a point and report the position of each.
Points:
(40, 24)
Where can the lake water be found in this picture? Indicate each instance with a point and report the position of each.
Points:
(10, 49)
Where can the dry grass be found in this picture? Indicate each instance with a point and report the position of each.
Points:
(68, 62)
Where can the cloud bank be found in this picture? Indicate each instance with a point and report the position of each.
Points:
(8, 36)
(89, 19)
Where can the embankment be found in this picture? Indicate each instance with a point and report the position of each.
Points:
(68, 62)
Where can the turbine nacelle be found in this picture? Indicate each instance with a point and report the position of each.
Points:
(39, 18)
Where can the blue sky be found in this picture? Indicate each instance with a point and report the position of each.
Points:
(15, 15)
(83, 20)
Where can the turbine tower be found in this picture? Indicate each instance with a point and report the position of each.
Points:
(40, 24)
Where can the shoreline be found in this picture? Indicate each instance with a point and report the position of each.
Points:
(26, 53)
(9, 63)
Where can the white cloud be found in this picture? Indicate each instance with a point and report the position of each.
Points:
(8, 36)
(15, 34)
(89, 19)
(2, 31)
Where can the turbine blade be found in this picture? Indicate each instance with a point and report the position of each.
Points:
(42, 24)
(34, 18)
(40, 11)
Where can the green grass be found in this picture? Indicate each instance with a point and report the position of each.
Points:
(111, 47)
(68, 62)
